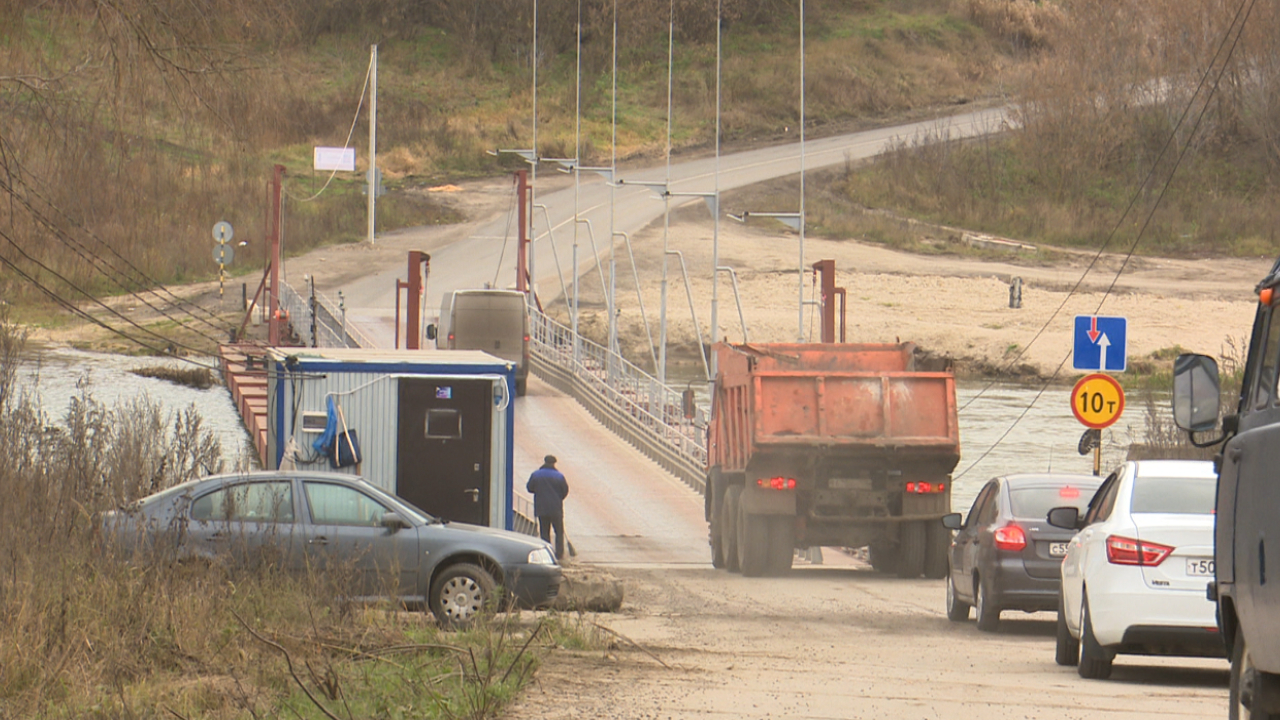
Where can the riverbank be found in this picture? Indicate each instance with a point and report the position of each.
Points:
(953, 303)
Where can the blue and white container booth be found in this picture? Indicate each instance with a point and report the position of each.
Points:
(434, 427)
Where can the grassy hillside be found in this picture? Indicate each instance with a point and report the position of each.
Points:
(1150, 126)
(131, 126)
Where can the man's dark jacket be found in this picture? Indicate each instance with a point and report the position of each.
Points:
(549, 490)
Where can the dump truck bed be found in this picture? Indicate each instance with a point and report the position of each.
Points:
(846, 399)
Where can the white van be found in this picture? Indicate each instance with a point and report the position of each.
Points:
(495, 321)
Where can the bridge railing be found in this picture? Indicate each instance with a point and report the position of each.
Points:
(631, 402)
(330, 327)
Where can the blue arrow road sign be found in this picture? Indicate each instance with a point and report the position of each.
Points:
(1100, 343)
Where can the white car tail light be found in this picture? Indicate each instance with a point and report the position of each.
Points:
(1127, 551)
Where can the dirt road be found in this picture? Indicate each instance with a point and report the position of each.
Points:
(841, 641)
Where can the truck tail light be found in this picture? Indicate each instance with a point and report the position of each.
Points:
(1127, 551)
(922, 488)
(777, 483)
(1010, 537)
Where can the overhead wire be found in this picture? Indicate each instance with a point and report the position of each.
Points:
(359, 106)
(1242, 16)
(101, 264)
(506, 235)
(90, 296)
(80, 312)
(1155, 165)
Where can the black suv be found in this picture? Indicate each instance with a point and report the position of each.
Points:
(1248, 503)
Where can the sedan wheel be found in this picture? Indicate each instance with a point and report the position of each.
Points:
(460, 594)
(957, 609)
(1067, 650)
(988, 611)
(1095, 660)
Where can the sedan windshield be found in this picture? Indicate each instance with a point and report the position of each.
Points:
(1186, 496)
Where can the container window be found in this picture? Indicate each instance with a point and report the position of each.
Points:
(444, 423)
(314, 422)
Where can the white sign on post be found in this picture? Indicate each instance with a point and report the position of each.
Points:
(333, 158)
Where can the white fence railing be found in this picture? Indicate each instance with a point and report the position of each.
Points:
(651, 412)
(326, 325)
(629, 401)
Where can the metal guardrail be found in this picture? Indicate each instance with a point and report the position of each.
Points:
(623, 397)
(330, 327)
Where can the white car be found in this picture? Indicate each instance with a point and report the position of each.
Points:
(1134, 578)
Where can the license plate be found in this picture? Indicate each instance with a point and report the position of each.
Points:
(1058, 549)
(1200, 567)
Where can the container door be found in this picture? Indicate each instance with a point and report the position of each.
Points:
(442, 453)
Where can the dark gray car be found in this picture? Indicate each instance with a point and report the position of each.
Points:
(1005, 556)
(322, 520)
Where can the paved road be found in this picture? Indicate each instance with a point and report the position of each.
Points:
(471, 261)
(622, 510)
(841, 642)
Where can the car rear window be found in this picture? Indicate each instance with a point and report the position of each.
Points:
(1187, 496)
(1036, 502)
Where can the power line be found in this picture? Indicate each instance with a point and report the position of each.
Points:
(1134, 198)
(90, 296)
(105, 268)
(81, 313)
(149, 283)
(1146, 223)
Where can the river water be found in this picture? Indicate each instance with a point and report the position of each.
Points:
(1004, 428)
(52, 376)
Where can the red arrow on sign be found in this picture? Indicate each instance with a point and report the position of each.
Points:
(1093, 329)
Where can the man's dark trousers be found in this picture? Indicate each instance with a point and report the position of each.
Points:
(545, 525)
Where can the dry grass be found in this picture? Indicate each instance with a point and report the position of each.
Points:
(89, 634)
(120, 165)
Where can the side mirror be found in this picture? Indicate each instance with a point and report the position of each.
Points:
(1196, 393)
(393, 522)
(431, 331)
(1067, 518)
(952, 521)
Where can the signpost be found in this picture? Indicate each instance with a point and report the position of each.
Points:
(223, 253)
(1097, 401)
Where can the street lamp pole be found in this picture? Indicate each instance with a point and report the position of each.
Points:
(800, 269)
(715, 233)
(666, 210)
(613, 174)
(533, 171)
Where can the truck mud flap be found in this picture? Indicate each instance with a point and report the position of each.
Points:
(759, 501)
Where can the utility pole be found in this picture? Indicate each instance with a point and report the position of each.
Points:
(373, 138)
(800, 311)
(715, 212)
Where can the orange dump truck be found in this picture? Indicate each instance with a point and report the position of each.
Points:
(846, 445)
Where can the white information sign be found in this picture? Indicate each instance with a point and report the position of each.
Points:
(335, 158)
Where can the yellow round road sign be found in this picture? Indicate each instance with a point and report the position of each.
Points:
(1097, 400)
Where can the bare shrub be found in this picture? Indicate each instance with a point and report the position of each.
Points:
(1024, 23)
(1161, 438)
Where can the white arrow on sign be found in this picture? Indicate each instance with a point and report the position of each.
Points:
(1103, 344)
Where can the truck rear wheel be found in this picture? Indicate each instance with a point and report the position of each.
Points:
(911, 550)
(782, 541)
(938, 544)
(883, 557)
(753, 542)
(729, 528)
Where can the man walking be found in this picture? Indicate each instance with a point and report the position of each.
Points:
(549, 490)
